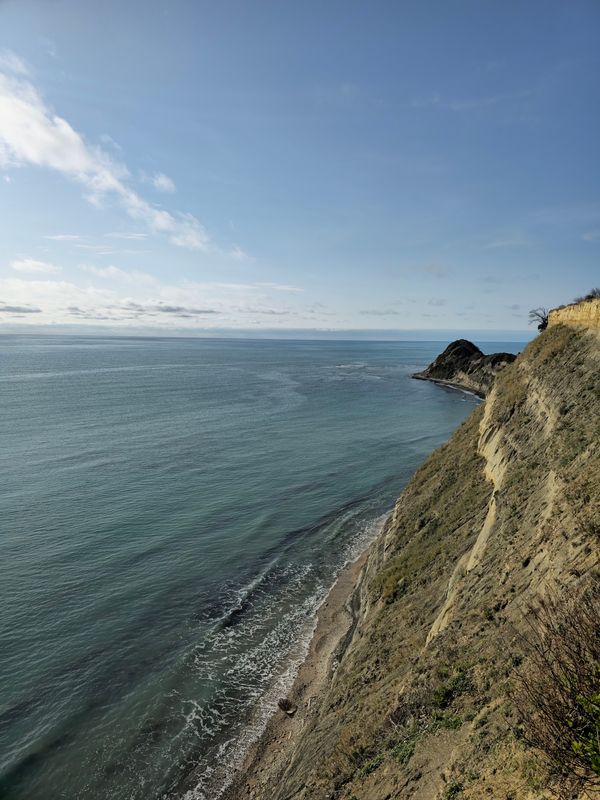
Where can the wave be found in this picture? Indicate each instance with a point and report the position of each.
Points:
(277, 657)
(245, 596)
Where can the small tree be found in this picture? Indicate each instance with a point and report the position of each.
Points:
(539, 316)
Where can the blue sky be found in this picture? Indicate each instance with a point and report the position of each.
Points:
(254, 165)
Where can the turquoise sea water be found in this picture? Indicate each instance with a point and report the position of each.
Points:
(172, 512)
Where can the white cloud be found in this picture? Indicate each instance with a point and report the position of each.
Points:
(237, 254)
(162, 183)
(31, 265)
(108, 140)
(11, 62)
(116, 273)
(279, 287)
(100, 249)
(126, 235)
(32, 134)
(111, 295)
(51, 296)
(105, 272)
(64, 237)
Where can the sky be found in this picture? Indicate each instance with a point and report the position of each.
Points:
(267, 166)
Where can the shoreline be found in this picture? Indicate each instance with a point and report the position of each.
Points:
(450, 385)
(270, 754)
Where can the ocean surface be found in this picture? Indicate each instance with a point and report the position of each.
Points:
(172, 513)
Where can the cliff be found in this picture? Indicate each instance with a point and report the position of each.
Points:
(507, 513)
(463, 365)
(584, 314)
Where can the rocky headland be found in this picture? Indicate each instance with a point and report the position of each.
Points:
(463, 365)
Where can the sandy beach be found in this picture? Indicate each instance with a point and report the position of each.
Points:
(271, 753)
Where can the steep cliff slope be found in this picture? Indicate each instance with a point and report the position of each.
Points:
(464, 366)
(507, 512)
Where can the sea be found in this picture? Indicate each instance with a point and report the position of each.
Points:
(172, 513)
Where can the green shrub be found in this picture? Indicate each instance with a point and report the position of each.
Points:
(453, 790)
(459, 683)
(404, 750)
(371, 765)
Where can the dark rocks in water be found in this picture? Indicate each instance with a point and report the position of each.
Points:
(287, 706)
(464, 366)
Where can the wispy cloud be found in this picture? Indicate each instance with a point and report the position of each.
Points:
(237, 254)
(161, 182)
(269, 312)
(11, 62)
(381, 312)
(64, 237)
(108, 140)
(99, 249)
(34, 266)
(243, 287)
(116, 273)
(31, 134)
(133, 235)
(278, 287)
(508, 242)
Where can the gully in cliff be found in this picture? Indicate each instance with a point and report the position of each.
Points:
(463, 365)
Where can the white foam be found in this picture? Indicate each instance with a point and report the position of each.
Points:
(231, 754)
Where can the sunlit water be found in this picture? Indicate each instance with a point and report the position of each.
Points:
(172, 513)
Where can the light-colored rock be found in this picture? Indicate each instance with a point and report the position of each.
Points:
(585, 314)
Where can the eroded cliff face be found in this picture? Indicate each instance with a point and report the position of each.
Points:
(503, 514)
(585, 314)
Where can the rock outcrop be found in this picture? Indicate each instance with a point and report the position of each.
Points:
(418, 703)
(463, 365)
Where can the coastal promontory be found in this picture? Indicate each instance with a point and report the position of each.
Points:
(463, 365)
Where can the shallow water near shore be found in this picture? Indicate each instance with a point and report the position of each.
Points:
(173, 512)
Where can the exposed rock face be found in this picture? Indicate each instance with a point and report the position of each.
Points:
(464, 366)
(583, 314)
(507, 512)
